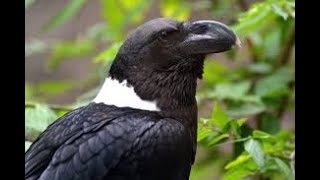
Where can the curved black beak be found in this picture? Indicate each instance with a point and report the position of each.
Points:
(206, 36)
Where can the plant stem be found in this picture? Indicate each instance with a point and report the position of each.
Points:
(234, 141)
(284, 56)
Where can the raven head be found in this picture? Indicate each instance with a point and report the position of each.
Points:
(163, 45)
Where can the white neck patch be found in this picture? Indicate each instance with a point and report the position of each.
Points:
(119, 94)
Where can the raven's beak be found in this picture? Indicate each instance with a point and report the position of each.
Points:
(205, 37)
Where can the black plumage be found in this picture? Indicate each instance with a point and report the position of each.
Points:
(161, 60)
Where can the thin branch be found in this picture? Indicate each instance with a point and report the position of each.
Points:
(284, 56)
(292, 161)
(243, 5)
(283, 59)
(234, 141)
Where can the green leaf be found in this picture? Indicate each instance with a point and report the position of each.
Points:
(283, 8)
(27, 144)
(65, 14)
(68, 49)
(217, 139)
(176, 9)
(37, 119)
(238, 161)
(271, 44)
(235, 126)
(270, 123)
(246, 169)
(275, 83)
(206, 171)
(281, 12)
(28, 3)
(34, 47)
(203, 131)
(109, 54)
(233, 91)
(241, 121)
(259, 68)
(218, 117)
(246, 109)
(259, 15)
(284, 168)
(253, 147)
(281, 144)
(260, 135)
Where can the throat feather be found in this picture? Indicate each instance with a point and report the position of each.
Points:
(122, 95)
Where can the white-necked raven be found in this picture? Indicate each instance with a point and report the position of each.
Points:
(143, 123)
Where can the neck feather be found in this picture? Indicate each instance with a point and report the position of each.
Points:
(122, 94)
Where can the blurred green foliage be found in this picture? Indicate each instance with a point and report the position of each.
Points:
(252, 91)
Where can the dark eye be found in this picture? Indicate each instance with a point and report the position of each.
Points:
(163, 35)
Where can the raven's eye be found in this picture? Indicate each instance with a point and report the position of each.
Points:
(166, 35)
(163, 35)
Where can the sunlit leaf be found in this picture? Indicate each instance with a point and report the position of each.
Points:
(238, 161)
(235, 126)
(246, 169)
(256, 17)
(283, 8)
(278, 10)
(218, 117)
(203, 132)
(241, 121)
(65, 14)
(217, 139)
(260, 134)
(253, 147)
(176, 9)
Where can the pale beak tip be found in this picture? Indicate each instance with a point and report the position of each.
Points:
(238, 43)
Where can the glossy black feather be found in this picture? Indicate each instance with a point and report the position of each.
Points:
(106, 142)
